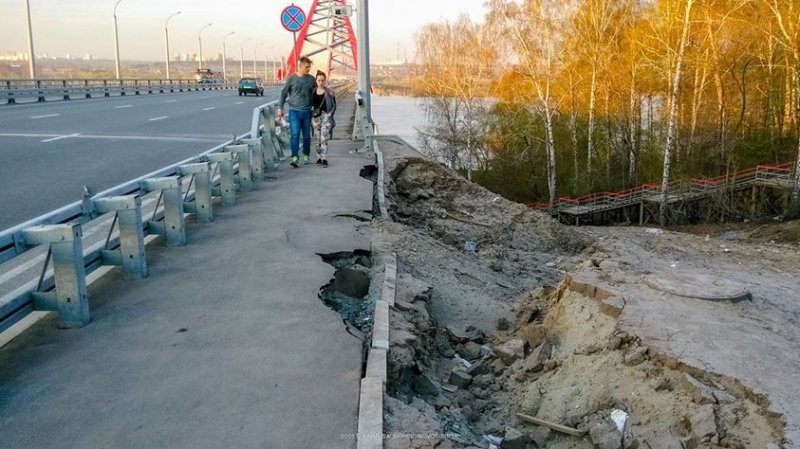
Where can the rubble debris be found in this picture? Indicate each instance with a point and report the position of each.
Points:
(551, 425)
(511, 351)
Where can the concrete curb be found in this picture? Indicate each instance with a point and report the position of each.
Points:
(370, 408)
(381, 183)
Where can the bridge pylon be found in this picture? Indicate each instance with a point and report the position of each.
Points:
(327, 38)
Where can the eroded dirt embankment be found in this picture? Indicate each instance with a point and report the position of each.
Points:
(494, 318)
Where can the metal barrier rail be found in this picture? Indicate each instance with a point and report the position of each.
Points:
(188, 186)
(12, 90)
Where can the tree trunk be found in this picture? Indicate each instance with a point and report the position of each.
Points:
(551, 156)
(632, 129)
(590, 130)
(672, 125)
(573, 128)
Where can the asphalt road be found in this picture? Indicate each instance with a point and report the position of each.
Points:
(49, 151)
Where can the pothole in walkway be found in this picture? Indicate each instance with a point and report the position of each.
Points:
(348, 292)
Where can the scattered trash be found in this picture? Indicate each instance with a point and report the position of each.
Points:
(673, 264)
(486, 351)
(461, 364)
(620, 418)
(493, 441)
(654, 231)
(470, 246)
(550, 264)
(708, 237)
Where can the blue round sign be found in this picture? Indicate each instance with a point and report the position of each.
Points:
(293, 18)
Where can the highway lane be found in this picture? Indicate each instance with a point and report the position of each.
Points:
(49, 151)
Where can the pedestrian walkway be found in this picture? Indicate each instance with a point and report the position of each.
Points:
(224, 345)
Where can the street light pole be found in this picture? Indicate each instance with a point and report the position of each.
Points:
(225, 56)
(32, 58)
(200, 42)
(363, 57)
(166, 41)
(255, 53)
(116, 39)
(241, 57)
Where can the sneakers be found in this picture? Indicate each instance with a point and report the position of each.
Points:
(306, 160)
(319, 161)
(294, 162)
(324, 162)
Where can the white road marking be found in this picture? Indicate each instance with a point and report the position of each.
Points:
(239, 102)
(171, 101)
(44, 116)
(158, 118)
(208, 109)
(147, 138)
(53, 139)
(124, 106)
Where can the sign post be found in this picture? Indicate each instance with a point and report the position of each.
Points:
(293, 18)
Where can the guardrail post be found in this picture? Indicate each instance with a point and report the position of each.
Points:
(130, 255)
(70, 299)
(257, 153)
(66, 92)
(86, 86)
(106, 93)
(275, 140)
(41, 92)
(173, 226)
(202, 205)
(227, 188)
(245, 165)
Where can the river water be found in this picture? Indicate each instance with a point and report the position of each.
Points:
(399, 115)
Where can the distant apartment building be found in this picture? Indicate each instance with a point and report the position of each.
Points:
(13, 56)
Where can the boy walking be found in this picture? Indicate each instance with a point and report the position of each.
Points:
(298, 92)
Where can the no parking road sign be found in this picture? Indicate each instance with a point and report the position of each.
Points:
(293, 18)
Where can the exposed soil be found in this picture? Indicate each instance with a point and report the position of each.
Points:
(501, 310)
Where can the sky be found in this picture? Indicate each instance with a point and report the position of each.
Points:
(81, 27)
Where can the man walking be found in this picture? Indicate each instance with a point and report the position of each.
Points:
(299, 93)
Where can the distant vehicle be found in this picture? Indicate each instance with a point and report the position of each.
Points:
(251, 86)
(208, 76)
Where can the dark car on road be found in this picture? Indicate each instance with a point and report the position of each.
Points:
(251, 86)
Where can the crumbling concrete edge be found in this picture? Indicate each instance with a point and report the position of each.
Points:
(370, 407)
(613, 304)
(380, 185)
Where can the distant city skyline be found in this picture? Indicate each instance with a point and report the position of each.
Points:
(85, 27)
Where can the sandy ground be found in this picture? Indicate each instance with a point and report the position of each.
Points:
(570, 324)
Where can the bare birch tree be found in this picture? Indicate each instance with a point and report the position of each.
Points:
(673, 116)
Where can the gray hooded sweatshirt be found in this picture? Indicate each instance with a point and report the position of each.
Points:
(298, 92)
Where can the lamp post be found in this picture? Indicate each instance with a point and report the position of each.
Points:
(255, 53)
(116, 39)
(166, 41)
(225, 56)
(241, 57)
(32, 58)
(200, 43)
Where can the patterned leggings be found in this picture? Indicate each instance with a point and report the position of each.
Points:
(322, 132)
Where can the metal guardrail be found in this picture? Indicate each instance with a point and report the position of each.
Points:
(12, 90)
(682, 189)
(187, 186)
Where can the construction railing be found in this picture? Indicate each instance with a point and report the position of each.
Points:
(683, 189)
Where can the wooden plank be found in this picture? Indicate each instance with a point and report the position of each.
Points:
(551, 425)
